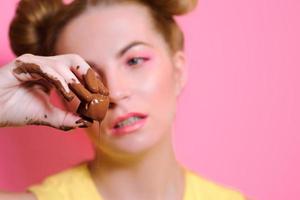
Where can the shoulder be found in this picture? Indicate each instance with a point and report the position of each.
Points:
(63, 185)
(198, 187)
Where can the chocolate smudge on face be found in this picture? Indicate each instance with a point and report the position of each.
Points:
(32, 68)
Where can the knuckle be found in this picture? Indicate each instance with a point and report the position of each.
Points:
(76, 57)
(26, 57)
(78, 60)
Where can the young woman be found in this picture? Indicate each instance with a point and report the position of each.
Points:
(137, 49)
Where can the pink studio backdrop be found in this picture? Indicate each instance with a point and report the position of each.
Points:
(239, 117)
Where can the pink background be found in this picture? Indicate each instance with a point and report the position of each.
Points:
(239, 117)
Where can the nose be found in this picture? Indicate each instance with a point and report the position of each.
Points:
(119, 89)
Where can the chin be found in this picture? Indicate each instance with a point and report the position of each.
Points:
(130, 146)
(134, 144)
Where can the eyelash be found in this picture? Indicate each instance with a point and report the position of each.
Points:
(136, 58)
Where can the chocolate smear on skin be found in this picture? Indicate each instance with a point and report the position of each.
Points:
(93, 106)
(102, 88)
(91, 81)
(82, 93)
(96, 109)
(4, 124)
(94, 99)
(43, 123)
(32, 68)
(83, 123)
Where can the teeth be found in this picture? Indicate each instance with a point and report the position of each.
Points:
(127, 122)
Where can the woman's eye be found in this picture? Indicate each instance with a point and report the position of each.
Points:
(136, 61)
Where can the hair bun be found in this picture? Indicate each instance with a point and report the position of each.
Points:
(28, 30)
(175, 7)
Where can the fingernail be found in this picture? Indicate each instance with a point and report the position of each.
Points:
(83, 123)
(66, 128)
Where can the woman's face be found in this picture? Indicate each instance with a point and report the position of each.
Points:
(144, 78)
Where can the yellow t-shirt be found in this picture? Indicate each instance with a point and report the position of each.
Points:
(77, 184)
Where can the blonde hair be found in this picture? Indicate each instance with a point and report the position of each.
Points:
(37, 23)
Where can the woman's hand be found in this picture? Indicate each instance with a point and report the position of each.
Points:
(25, 87)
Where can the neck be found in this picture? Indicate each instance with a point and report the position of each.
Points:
(155, 175)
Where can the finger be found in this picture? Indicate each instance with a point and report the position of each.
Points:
(81, 92)
(45, 72)
(91, 81)
(83, 71)
(94, 84)
(82, 111)
(77, 64)
(102, 89)
(62, 120)
(22, 74)
(40, 84)
(53, 116)
(67, 74)
(84, 122)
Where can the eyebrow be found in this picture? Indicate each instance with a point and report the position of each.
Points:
(130, 45)
(121, 52)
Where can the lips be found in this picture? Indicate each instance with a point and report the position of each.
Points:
(128, 123)
(127, 116)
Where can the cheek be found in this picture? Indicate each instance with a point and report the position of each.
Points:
(158, 91)
(156, 79)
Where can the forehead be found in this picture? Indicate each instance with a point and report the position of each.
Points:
(108, 26)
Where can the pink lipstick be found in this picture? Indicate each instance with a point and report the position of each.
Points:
(128, 123)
